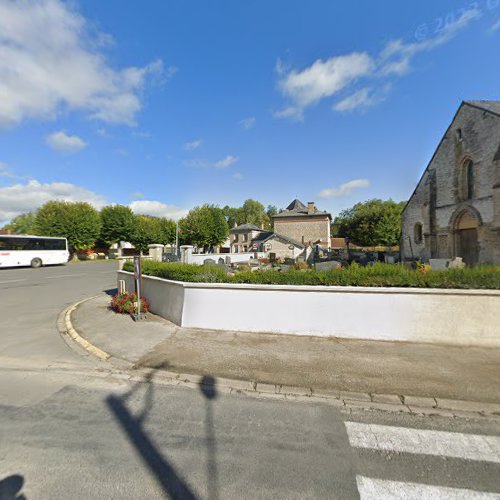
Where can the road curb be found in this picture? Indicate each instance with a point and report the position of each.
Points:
(76, 337)
(399, 403)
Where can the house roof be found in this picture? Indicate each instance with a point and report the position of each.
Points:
(298, 209)
(262, 236)
(246, 227)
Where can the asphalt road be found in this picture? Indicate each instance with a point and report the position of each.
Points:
(70, 430)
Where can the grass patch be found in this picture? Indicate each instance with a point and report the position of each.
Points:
(378, 275)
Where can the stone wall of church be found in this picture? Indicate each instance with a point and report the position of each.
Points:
(474, 134)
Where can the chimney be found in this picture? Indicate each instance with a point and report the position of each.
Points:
(262, 226)
(235, 224)
(310, 207)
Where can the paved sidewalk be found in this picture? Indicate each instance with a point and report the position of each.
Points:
(460, 373)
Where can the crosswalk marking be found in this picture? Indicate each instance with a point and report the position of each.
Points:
(376, 489)
(424, 442)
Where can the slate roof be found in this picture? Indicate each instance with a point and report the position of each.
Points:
(246, 227)
(262, 236)
(298, 209)
(491, 106)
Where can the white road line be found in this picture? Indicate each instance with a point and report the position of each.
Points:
(12, 281)
(65, 276)
(376, 489)
(424, 442)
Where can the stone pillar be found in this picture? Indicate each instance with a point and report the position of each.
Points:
(187, 254)
(156, 252)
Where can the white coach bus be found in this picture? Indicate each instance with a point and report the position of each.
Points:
(34, 251)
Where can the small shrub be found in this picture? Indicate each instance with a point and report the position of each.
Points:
(301, 266)
(126, 303)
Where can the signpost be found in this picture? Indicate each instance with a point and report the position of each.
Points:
(138, 315)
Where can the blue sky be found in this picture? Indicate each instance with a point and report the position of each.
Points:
(165, 105)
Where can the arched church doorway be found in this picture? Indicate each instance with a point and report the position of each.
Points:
(467, 245)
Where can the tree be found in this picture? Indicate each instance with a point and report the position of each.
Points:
(79, 222)
(252, 212)
(166, 229)
(204, 226)
(271, 210)
(374, 222)
(118, 224)
(22, 224)
(147, 232)
(232, 215)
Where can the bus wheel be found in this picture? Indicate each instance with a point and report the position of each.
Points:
(36, 263)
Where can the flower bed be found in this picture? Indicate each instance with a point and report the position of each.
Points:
(126, 303)
(378, 275)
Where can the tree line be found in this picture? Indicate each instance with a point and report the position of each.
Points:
(374, 222)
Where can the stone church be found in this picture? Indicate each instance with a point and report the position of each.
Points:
(455, 208)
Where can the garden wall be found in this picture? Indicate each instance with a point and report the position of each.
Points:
(456, 317)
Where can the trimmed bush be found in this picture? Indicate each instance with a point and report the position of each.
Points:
(378, 275)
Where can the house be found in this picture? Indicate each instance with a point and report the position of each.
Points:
(279, 246)
(241, 237)
(455, 208)
(250, 238)
(304, 224)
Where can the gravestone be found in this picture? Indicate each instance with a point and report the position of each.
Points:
(456, 263)
(209, 262)
(329, 264)
(228, 260)
(439, 264)
(170, 257)
(221, 261)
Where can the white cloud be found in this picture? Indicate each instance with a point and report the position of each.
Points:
(220, 164)
(238, 176)
(496, 26)
(5, 171)
(226, 162)
(60, 141)
(158, 209)
(396, 57)
(248, 123)
(19, 198)
(338, 74)
(51, 60)
(191, 146)
(345, 189)
(324, 79)
(362, 99)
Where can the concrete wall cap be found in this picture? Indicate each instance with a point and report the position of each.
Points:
(328, 289)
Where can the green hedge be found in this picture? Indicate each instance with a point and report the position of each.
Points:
(378, 275)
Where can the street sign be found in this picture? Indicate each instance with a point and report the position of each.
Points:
(138, 315)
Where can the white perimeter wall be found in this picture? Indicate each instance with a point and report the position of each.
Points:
(457, 317)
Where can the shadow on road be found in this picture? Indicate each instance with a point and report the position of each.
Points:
(209, 390)
(10, 488)
(133, 425)
(111, 291)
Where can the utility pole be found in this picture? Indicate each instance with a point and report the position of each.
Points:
(177, 238)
